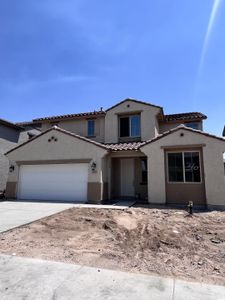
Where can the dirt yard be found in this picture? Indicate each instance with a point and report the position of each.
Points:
(162, 241)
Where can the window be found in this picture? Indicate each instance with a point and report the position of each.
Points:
(130, 126)
(192, 125)
(184, 167)
(192, 167)
(91, 127)
(144, 170)
(175, 166)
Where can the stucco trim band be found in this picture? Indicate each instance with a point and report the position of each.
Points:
(183, 146)
(57, 161)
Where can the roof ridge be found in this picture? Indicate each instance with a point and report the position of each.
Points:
(134, 100)
(184, 128)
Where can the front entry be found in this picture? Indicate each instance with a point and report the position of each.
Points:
(127, 177)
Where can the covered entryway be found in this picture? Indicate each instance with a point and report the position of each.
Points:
(129, 177)
(62, 182)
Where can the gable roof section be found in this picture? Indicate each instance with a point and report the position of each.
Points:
(181, 127)
(133, 100)
(63, 131)
(182, 117)
(10, 124)
(71, 116)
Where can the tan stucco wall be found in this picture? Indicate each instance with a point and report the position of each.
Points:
(213, 165)
(163, 127)
(149, 124)
(66, 148)
(79, 126)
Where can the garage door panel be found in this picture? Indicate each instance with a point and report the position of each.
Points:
(66, 182)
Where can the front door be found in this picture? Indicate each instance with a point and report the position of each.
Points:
(127, 177)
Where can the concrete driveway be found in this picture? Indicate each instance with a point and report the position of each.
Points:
(17, 213)
(25, 278)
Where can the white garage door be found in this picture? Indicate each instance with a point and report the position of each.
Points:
(66, 182)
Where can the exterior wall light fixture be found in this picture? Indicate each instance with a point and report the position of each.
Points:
(93, 166)
(11, 168)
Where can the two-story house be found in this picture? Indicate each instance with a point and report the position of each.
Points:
(131, 150)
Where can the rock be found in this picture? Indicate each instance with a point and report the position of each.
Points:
(197, 237)
(165, 242)
(215, 241)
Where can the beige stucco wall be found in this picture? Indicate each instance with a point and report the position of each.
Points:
(213, 165)
(66, 148)
(79, 126)
(149, 124)
(163, 127)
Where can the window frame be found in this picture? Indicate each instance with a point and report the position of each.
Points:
(90, 135)
(129, 117)
(183, 165)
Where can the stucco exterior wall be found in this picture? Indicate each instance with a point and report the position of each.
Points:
(163, 127)
(8, 139)
(79, 126)
(66, 148)
(9, 134)
(212, 158)
(4, 163)
(149, 123)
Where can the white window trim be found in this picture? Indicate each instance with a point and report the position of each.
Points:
(130, 136)
(184, 177)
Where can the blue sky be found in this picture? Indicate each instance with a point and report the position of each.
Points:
(71, 56)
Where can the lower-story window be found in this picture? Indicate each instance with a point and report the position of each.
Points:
(184, 166)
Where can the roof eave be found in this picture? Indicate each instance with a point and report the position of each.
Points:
(182, 127)
(62, 131)
(136, 101)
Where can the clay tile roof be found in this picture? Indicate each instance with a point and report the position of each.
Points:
(184, 116)
(69, 116)
(124, 146)
(25, 123)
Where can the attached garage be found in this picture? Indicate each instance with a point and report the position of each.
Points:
(54, 182)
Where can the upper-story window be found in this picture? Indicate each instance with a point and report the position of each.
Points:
(91, 128)
(130, 126)
(193, 125)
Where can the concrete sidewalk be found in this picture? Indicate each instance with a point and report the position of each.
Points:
(24, 278)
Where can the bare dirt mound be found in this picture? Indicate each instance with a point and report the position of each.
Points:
(163, 241)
